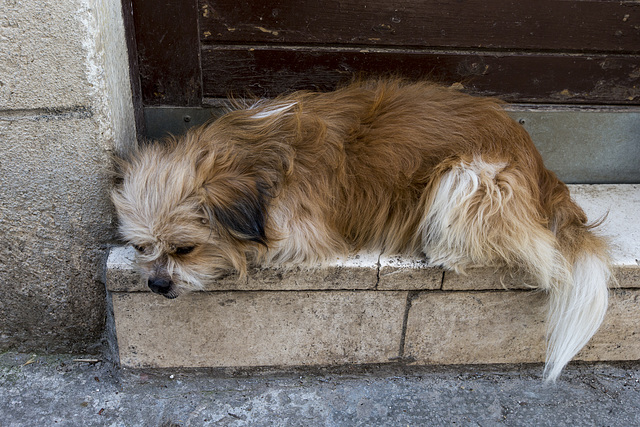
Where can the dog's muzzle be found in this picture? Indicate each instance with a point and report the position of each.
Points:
(161, 286)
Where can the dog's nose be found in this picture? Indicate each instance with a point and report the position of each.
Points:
(159, 285)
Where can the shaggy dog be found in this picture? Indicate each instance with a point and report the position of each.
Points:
(386, 165)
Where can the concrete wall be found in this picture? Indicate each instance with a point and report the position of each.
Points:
(65, 103)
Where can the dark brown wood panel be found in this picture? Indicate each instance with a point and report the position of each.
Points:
(540, 25)
(168, 49)
(134, 71)
(548, 78)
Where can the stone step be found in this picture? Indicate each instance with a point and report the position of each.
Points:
(370, 308)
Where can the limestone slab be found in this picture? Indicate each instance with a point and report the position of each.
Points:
(476, 327)
(236, 329)
(627, 276)
(121, 274)
(508, 327)
(620, 206)
(481, 278)
(619, 336)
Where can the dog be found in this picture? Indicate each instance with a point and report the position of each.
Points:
(388, 165)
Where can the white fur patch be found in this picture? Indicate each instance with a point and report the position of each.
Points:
(273, 110)
(442, 239)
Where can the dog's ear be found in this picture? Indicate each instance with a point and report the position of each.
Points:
(238, 202)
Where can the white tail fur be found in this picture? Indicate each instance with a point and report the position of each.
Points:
(576, 311)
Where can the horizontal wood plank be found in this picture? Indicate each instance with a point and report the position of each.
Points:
(549, 78)
(564, 25)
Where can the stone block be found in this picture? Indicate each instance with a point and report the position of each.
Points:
(619, 336)
(619, 206)
(48, 52)
(509, 327)
(236, 329)
(121, 274)
(55, 218)
(359, 271)
(476, 327)
(627, 276)
(67, 59)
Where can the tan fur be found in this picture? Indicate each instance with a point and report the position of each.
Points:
(383, 165)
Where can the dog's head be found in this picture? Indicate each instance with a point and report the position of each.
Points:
(192, 214)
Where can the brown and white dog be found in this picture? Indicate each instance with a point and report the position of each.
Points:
(386, 165)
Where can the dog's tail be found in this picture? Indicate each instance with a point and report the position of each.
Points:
(481, 213)
(577, 304)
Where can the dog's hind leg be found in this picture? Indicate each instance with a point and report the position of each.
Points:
(483, 214)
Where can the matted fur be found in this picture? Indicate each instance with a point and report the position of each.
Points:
(385, 165)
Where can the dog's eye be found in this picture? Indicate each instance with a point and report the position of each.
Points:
(139, 248)
(184, 250)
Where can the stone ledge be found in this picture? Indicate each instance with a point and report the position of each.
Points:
(374, 271)
(371, 308)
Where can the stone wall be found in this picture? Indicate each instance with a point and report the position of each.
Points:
(65, 103)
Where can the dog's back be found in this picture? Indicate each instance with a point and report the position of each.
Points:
(373, 154)
(387, 142)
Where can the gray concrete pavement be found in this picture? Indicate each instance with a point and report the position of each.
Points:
(61, 391)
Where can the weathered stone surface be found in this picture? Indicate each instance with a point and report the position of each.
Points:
(258, 328)
(476, 327)
(55, 220)
(619, 336)
(509, 327)
(628, 276)
(619, 205)
(121, 274)
(43, 61)
(356, 272)
(481, 278)
(495, 279)
(408, 273)
(65, 103)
